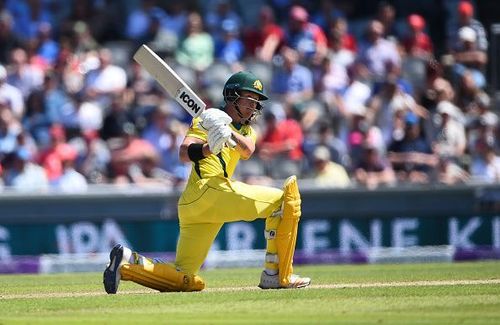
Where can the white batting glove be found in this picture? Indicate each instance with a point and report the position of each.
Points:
(214, 118)
(218, 137)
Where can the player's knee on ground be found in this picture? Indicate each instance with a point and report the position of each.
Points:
(161, 277)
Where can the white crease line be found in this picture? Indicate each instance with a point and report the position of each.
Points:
(229, 289)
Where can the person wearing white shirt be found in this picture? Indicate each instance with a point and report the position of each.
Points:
(10, 94)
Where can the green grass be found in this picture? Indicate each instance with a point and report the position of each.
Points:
(78, 298)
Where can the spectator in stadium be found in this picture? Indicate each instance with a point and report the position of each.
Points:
(466, 91)
(450, 140)
(468, 58)
(139, 20)
(128, 150)
(118, 115)
(342, 46)
(325, 137)
(146, 173)
(11, 95)
(107, 80)
(8, 38)
(307, 38)
(450, 173)
(9, 129)
(373, 170)
(293, 82)
(230, 49)
(196, 50)
(23, 75)
(326, 173)
(93, 156)
(49, 158)
(412, 157)
(325, 12)
(268, 36)
(359, 131)
(28, 15)
(22, 175)
(384, 105)
(485, 166)
(466, 18)
(378, 53)
(417, 43)
(356, 94)
(428, 93)
(176, 17)
(83, 40)
(280, 146)
(483, 131)
(219, 12)
(386, 15)
(70, 180)
(46, 47)
(166, 133)
(334, 77)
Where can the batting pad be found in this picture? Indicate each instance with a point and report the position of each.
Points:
(161, 277)
(286, 233)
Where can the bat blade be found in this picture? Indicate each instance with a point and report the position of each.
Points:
(169, 80)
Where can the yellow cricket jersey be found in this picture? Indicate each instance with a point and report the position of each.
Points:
(223, 164)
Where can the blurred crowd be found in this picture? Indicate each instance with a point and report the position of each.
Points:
(370, 105)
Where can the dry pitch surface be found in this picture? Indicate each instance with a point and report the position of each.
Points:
(458, 293)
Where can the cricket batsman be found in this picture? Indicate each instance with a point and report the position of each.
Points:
(215, 142)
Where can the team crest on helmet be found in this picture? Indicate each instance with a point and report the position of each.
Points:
(257, 85)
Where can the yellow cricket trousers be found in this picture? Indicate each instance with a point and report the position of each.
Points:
(203, 211)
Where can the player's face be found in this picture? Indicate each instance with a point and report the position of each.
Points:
(247, 103)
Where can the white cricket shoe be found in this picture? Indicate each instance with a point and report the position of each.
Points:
(118, 256)
(273, 281)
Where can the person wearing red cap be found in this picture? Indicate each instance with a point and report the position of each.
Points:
(70, 180)
(417, 43)
(305, 37)
(465, 18)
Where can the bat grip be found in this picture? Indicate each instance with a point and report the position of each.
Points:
(231, 143)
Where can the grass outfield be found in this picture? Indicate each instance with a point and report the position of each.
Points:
(458, 293)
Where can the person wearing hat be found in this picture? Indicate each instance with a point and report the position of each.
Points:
(418, 43)
(328, 174)
(450, 140)
(70, 180)
(214, 144)
(307, 38)
(465, 15)
(468, 58)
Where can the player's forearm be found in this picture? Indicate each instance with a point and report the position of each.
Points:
(244, 145)
(184, 149)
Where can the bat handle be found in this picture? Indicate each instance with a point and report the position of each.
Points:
(231, 143)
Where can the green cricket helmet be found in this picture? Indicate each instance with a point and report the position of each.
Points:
(244, 80)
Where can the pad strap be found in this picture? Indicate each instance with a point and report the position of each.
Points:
(272, 258)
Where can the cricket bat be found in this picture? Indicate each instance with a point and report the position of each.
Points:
(169, 80)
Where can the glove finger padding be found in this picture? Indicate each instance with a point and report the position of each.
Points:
(218, 137)
(214, 118)
(213, 141)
